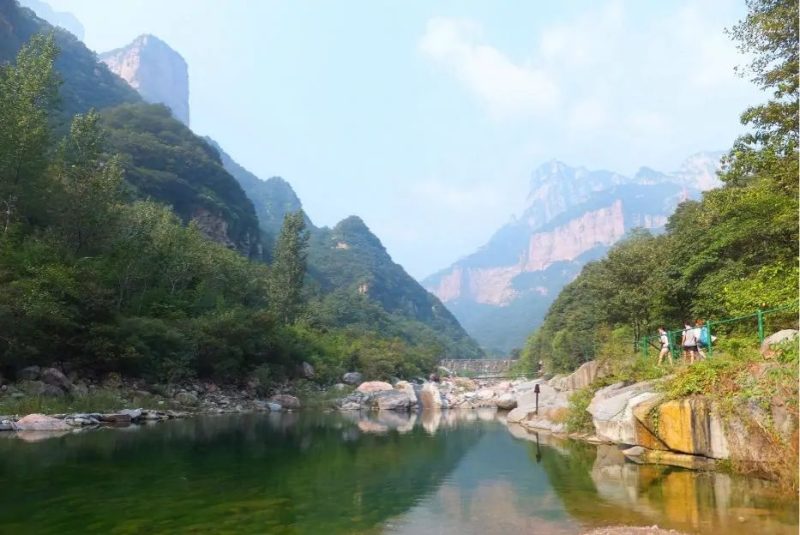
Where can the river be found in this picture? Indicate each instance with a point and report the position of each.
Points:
(308, 473)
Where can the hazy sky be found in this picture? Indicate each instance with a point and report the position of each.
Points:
(426, 118)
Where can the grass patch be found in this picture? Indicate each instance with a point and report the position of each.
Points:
(311, 396)
(578, 418)
(98, 400)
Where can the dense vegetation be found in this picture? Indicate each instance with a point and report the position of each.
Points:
(728, 254)
(96, 277)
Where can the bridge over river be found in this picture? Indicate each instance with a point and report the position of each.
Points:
(480, 368)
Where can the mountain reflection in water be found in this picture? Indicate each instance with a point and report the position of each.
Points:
(442, 472)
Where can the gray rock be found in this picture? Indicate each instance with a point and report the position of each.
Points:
(6, 426)
(392, 400)
(286, 401)
(352, 378)
(506, 401)
(274, 407)
(31, 373)
(308, 370)
(777, 338)
(135, 414)
(350, 406)
(410, 390)
(54, 377)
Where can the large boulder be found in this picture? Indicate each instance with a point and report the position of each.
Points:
(54, 377)
(693, 426)
(612, 411)
(409, 390)
(552, 408)
(580, 378)
(777, 338)
(371, 387)
(430, 397)
(352, 378)
(286, 401)
(506, 401)
(392, 400)
(40, 422)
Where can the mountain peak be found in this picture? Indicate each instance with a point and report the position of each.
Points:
(155, 70)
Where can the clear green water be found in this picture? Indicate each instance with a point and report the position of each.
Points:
(450, 473)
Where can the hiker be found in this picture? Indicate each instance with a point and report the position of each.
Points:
(665, 349)
(701, 335)
(688, 342)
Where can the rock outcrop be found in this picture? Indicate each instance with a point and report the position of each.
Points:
(155, 70)
(573, 216)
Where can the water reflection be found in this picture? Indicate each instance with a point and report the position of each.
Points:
(458, 472)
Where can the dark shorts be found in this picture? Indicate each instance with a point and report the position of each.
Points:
(690, 348)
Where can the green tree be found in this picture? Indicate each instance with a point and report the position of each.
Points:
(90, 185)
(28, 91)
(289, 268)
(769, 34)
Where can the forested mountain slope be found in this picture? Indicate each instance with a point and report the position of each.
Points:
(162, 158)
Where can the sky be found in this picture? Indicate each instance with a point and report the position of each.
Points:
(427, 118)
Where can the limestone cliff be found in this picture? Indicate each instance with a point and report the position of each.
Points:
(155, 70)
(573, 215)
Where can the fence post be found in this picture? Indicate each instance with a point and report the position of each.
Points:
(760, 315)
(710, 341)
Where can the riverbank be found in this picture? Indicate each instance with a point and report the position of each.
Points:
(679, 419)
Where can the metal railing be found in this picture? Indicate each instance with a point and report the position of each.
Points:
(674, 336)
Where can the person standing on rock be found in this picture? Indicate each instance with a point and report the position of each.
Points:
(665, 349)
(689, 343)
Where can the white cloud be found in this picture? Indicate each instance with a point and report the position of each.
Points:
(633, 75)
(506, 88)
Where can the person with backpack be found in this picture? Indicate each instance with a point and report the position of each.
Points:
(689, 343)
(702, 335)
(665, 349)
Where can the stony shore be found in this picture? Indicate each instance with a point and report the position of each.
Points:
(650, 429)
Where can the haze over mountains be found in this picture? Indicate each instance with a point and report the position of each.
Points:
(573, 215)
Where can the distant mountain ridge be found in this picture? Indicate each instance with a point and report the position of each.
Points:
(573, 215)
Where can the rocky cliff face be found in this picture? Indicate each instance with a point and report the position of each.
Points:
(502, 291)
(155, 70)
